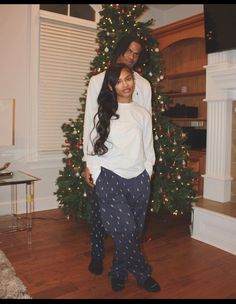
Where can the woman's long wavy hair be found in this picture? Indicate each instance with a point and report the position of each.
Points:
(107, 107)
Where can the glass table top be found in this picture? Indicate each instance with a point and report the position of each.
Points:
(18, 177)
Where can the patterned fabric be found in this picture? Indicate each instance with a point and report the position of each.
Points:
(122, 206)
(97, 231)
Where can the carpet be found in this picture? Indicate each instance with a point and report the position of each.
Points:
(11, 287)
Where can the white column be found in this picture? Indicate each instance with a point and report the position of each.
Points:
(217, 180)
(220, 92)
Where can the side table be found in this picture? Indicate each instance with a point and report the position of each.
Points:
(17, 178)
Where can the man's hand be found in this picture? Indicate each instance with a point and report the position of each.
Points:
(88, 177)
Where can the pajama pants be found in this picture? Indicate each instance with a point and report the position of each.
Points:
(98, 232)
(120, 206)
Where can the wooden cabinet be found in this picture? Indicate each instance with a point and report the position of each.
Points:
(197, 162)
(182, 49)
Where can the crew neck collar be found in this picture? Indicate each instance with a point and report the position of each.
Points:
(125, 103)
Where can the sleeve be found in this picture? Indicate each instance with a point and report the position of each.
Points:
(148, 97)
(90, 110)
(148, 144)
(143, 92)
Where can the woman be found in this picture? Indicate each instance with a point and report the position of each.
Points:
(121, 163)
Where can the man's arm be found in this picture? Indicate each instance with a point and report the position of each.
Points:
(88, 177)
(90, 111)
(143, 92)
(91, 107)
(148, 97)
(148, 144)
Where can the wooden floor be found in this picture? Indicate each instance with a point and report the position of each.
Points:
(55, 265)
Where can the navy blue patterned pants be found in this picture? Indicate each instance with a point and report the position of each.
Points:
(97, 230)
(120, 210)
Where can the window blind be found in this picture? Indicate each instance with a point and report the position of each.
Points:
(66, 51)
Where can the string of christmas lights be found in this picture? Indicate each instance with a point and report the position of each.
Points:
(173, 183)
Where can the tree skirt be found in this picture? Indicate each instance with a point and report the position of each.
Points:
(11, 287)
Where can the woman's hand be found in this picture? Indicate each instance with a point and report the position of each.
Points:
(88, 177)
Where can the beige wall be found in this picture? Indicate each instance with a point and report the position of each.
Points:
(233, 159)
(163, 15)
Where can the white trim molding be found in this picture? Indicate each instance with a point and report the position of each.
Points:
(34, 14)
(33, 84)
(214, 228)
(220, 92)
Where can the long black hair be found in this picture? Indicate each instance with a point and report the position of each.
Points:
(107, 106)
(123, 45)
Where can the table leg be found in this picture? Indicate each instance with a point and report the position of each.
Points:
(14, 225)
(29, 209)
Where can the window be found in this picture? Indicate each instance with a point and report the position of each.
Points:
(84, 11)
(66, 50)
(55, 8)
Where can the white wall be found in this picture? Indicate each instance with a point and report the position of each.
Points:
(162, 17)
(14, 83)
(15, 21)
(13, 62)
(165, 16)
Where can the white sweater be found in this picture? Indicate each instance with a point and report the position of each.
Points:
(130, 144)
(142, 95)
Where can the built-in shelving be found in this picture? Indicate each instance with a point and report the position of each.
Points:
(180, 94)
(190, 122)
(182, 48)
(185, 74)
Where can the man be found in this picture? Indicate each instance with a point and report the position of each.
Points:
(129, 50)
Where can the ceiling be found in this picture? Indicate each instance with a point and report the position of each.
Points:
(162, 6)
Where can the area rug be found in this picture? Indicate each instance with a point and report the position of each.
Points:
(11, 287)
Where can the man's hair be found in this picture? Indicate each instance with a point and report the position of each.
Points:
(123, 45)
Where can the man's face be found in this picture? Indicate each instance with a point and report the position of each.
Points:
(131, 55)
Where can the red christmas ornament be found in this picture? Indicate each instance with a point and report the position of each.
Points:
(195, 181)
(66, 141)
(69, 163)
(78, 144)
(117, 6)
(139, 70)
(122, 11)
(145, 39)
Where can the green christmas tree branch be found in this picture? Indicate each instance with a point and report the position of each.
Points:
(173, 183)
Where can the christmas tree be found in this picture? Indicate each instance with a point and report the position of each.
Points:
(173, 183)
